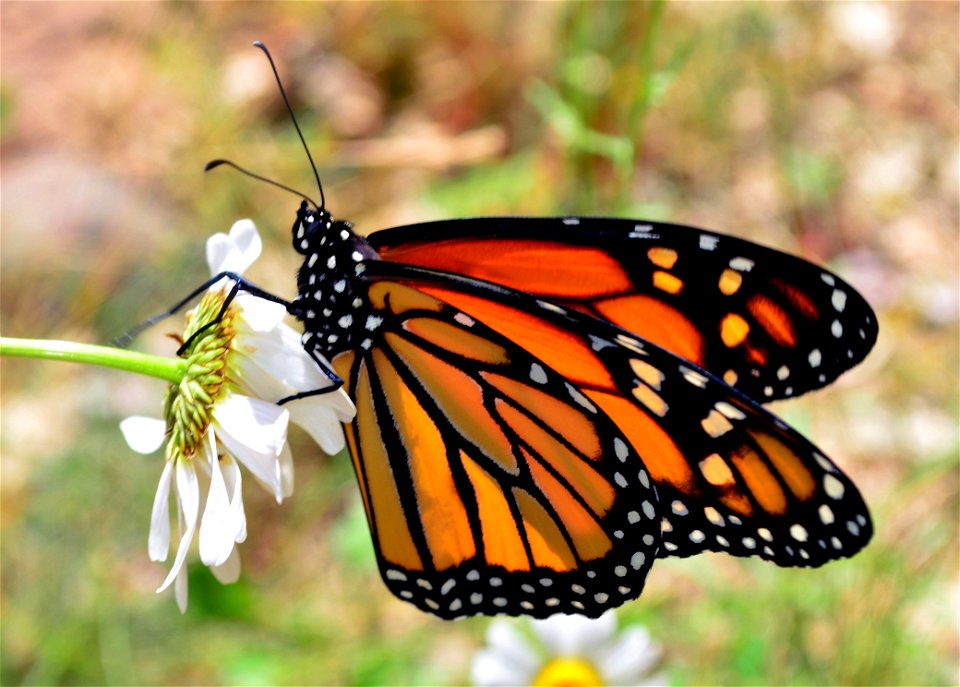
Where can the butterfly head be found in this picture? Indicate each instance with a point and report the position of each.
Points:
(329, 301)
(311, 228)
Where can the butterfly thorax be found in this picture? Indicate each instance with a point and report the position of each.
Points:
(329, 301)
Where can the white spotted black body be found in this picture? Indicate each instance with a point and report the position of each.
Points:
(332, 309)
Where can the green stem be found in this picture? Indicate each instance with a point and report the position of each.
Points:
(170, 369)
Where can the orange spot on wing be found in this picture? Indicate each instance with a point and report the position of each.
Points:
(567, 421)
(543, 533)
(716, 471)
(401, 298)
(588, 538)
(456, 340)
(730, 281)
(760, 481)
(773, 320)
(662, 257)
(384, 509)
(555, 346)
(715, 424)
(546, 268)
(647, 373)
(658, 451)
(342, 364)
(440, 508)
(656, 322)
(460, 398)
(733, 330)
(667, 282)
(800, 300)
(737, 502)
(790, 466)
(592, 487)
(651, 399)
(501, 540)
(756, 355)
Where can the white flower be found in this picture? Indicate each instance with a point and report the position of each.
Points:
(224, 413)
(572, 650)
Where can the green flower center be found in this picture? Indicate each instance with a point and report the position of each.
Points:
(188, 408)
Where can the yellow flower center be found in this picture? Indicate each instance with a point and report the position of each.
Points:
(568, 672)
(189, 405)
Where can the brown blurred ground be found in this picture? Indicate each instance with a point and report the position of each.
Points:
(829, 130)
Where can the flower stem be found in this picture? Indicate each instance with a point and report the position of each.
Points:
(170, 369)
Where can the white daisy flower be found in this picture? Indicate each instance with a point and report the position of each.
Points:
(224, 413)
(569, 650)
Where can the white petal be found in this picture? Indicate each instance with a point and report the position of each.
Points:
(229, 572)
(286, 471)
(320, 421)
(277, 358)
(628, 659)
(236, 252)
(574, 635)
(254, 432)
(218, 526)
(158, 543)
(244, 235)
(258, 314)
(180, 589)
(489, 669)
(660, 679)
(143, 434)
(188, 496)
(234, 480)
(510, 647)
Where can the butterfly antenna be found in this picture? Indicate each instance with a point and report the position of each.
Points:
(286, 102)
(216, 163)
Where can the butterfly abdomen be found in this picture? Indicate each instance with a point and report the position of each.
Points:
(333, 310)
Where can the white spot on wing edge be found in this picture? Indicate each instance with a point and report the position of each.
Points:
(693, 377)
(464, 319)
(839, 300)
(708, 242)
(620, 449)
(580, 398)
(538, 374)
(640, 231)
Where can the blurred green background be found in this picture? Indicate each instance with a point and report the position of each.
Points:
(827, 130)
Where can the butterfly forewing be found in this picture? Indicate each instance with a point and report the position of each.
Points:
(770, 324)
(491, 484)
(730, 476)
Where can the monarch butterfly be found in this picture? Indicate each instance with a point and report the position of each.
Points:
(545, 406)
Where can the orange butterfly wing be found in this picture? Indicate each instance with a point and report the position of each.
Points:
(729, 475)
(490, 483)
(770, 324)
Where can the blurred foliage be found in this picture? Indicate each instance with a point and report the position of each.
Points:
(828, 130)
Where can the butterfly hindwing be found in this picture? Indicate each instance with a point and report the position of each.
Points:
(769, 324)
(491, 484)
(730, 476)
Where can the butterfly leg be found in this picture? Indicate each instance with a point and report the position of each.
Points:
(239, 282)
(327, 370)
